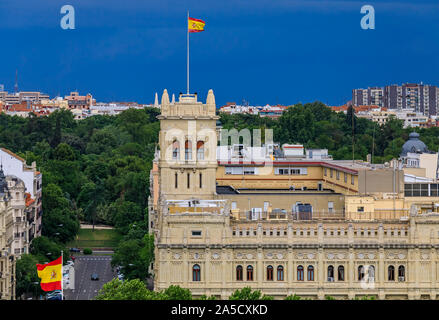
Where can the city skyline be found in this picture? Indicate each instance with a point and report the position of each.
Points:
(263, 52)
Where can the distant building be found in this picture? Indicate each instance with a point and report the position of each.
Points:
(75, 101)
(421, 98)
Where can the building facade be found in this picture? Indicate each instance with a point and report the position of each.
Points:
(284, 222)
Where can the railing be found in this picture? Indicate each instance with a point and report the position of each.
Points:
(240, 215)
(378, 215)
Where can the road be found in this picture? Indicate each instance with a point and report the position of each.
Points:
(85, 266)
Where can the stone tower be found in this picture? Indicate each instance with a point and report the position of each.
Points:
(188, 143)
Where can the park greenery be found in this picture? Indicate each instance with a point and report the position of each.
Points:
(96, 170)
(137, 290)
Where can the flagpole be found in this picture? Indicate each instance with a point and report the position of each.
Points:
(62, 276)
(187, 52)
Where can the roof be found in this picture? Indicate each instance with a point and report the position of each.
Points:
(13, 154)
(29, 200)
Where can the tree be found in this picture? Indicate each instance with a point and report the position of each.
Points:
(134, 289)
(246, 293)
(26, 275)
(47, 250)
(293, 297)
(177, 293)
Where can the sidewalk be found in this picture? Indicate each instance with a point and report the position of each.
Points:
(97, 226)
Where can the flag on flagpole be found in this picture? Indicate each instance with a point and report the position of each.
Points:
(50, 275)
(195, 25)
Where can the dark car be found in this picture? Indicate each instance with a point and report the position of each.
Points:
(94, 277)
(75, 250)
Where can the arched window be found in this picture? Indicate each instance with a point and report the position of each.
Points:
(249, 273)
(270, 273)
(330, 273)
(280, 273)
(299, 273)
(360, 273)
(391, 273)
(310, 273)
(175, 150)
(188, 150)
(371, 273)
(239, 276)
(200, 150)
(340, 273)
(401, 273)
(196, 274)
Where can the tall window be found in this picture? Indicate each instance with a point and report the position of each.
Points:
(300, 273)
(270, 273)
(200, 150)
(371, 273)
(188, 150)
(391, 273)
(196, 275)
(340, 272)
(201, 180)
(360, 273)
(280, 273)
(188, 180)
(401, 273)
(310, 273)
(249, 273)
(239, 276)
(330, 273)
(176, 150)
(176, 180)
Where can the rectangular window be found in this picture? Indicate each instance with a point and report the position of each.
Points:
(188, 180)
(330, 206)
(352, 180)
(360, 209)
(228, 170)
(249, 170)
(233, 205)
(176, 180)
(338, 175)
(325, 172)
(201, 180)
(196, 233)
(331, 173)
(345, 177)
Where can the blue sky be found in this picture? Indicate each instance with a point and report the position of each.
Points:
(263, 51)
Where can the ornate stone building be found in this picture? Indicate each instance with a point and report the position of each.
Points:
(286, 224)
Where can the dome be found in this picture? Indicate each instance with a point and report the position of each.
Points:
(413, 145)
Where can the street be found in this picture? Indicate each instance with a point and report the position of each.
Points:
(85, 266)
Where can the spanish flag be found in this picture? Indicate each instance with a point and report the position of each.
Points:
(50, 275)
(195, 25)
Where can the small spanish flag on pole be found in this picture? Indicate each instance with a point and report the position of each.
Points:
(51, 275)
(193, 25)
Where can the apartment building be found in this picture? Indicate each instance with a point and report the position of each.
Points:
(14, 165)
(7, 258)
(284, 222)
(421, 98)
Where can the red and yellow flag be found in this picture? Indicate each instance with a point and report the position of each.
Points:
(195, 25)
(50, 275)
